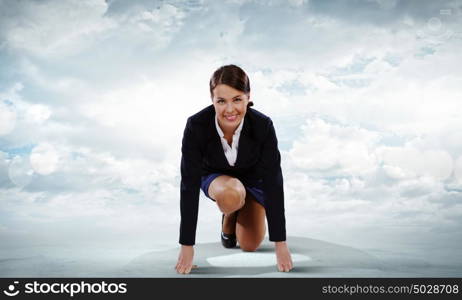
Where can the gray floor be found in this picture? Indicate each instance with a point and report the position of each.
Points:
(312, 258)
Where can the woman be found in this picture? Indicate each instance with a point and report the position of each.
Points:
(229, 150)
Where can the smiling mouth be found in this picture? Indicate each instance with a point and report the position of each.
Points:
(231, 118)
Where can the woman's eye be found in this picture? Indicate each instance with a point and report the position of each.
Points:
(223, 101)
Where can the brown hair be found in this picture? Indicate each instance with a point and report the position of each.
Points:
(233, 76)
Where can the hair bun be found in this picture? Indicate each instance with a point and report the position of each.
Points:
(250, 104)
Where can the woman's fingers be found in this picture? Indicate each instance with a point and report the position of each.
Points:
(185, 260)
(189, 268)
(285, 266)
(284, 261)
(184, 268)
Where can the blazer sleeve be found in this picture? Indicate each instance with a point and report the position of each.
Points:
(191, 159)
(270, 169)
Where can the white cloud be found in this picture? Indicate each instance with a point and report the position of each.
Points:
(154, 28)
(44, 159)
(334, 149)
(406, 162)
(38, 113)
(298, 3)
(48, 28)
(7, 118)
(20, 171)
(458, 170)
(369, 115)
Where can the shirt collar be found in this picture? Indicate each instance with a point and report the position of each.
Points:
(220, 132)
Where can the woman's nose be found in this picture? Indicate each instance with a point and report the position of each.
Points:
(229, 107)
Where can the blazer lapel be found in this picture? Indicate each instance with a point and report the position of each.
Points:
(246, 145)
(215, 146)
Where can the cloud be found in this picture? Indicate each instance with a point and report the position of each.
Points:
(364, 97)
(44, 159)
(32, 26)
(458, 170)
(20, 171)
(38, 113)
(401, 163)
(7, 117)
(334, 149)
(381, 12)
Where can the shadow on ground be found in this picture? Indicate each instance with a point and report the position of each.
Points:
(312, 258)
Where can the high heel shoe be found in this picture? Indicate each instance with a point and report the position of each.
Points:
(228, 240)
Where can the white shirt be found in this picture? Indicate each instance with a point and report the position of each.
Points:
(230, 151)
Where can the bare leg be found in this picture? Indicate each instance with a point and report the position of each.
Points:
(229, 194)
(251, 226)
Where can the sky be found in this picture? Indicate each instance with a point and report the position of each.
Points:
(364, 95)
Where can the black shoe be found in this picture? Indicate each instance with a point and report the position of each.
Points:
(227, 240)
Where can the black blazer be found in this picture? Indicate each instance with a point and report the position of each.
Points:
(258, 157)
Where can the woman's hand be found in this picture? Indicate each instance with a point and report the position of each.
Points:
(283, 257)
(185, 259)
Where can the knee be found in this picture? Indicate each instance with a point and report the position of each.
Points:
(249, 247)
(232, 196)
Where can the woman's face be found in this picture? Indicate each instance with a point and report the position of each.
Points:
(230, 106)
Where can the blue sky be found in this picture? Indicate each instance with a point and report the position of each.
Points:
(365, 98)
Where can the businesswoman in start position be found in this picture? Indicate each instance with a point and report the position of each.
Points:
(229, 150)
